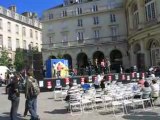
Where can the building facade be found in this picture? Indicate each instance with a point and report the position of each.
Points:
(143, 20)
(83, 30)
(19, 30)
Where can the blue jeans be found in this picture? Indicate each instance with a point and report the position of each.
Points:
(32, 107)
(14, 109)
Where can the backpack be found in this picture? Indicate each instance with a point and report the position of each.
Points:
(35, 90)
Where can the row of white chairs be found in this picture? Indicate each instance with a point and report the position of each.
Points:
(98, 101)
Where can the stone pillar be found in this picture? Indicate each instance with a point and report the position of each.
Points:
(142, 46)
(157, 3)
(130, 20)
(131, 56)
(141, 11)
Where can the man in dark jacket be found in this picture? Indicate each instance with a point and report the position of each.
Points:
(14, 96)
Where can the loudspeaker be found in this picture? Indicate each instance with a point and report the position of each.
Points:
(38, 66)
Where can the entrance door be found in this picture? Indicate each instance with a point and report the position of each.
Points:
(141, 61)
(116, 60)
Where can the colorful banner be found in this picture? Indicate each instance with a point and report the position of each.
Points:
(57, 68)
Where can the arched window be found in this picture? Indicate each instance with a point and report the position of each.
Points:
(150, 10)
(155, 53)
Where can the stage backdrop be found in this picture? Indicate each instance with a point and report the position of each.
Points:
(51, 67)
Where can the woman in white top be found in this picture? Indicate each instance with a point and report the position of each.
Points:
(97, 81)
(155, 89)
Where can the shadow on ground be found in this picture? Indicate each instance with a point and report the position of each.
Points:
(6, 116)
(146, 115)
(57, 111)
(57, 100)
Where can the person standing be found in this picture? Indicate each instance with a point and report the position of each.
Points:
(96, 66)
(31, 93)
(155, 89)
(59, 68)
(102, 66)
(97, 81)
(54, 69)
(14, 96)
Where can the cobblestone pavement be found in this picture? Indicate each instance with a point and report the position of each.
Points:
(49, 109)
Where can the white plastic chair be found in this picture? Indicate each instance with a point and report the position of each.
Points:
(141, 101)
(57, 91)
(117, 103)
(75, 105)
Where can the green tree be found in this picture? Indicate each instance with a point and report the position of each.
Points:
(4, 59)
(19, 61)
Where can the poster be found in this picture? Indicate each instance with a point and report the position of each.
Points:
(57, 68)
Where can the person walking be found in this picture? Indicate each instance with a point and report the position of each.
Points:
(14, 96)
(26, 108)
(31, 92)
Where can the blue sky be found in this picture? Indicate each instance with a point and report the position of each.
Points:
(37, 6)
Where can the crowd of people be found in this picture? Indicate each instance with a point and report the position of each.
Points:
(148, 88)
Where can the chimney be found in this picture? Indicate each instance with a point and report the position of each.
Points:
(27, 14)
(12, 8)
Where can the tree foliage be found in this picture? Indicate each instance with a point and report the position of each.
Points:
(19, 60)
(4, 58)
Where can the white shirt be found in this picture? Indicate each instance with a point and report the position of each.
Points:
(97, 80)
(152, 75)
(155, 87)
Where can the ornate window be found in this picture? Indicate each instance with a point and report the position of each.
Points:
(9, 43)
(112, 18)
(79, 11)
(96, 34)
(9, 27)
(17, 43)
(80, 23)
(80, 36)
(95, 8)
(17, 29)
(96, 20)
(150, 10)
(24, 31)
(155, 53)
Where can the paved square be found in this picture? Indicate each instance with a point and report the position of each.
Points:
(49, 109)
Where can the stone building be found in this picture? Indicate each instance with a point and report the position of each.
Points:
(19, 30)
(83, 30)
(143, 21)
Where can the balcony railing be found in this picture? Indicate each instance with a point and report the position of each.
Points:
(143, 25)
(21, 18)
(87, 42)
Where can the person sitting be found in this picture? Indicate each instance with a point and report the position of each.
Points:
(102, 84)
(146, 90)
(86, 86)
(72, 90)
(155, 89)
(141, 81)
